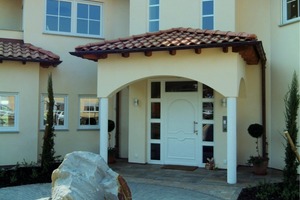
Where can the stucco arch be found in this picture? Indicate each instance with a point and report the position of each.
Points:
(221, 71)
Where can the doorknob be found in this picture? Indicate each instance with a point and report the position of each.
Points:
(195, 127)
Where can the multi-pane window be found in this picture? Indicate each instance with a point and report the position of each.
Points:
(74, 18)
(8, 112)
(89, 112)
(291, 10)
(153, 15)
(208, 14)
(60, 111)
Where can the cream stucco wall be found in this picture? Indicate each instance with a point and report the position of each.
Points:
(22, 79)
(11, 14)
(177, 13)
(74, 76)
(163, 64)
(284, 61)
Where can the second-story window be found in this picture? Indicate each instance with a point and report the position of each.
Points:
(291, 10)
(74, 18)
(153, 15)
(208, 14)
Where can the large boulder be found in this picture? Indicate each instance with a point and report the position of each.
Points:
(85, 175)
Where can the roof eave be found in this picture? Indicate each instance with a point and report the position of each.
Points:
(97, 54)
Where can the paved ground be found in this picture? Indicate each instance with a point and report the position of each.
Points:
(152, 182)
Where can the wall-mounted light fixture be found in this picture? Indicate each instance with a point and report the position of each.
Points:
(136, 102)
(224, 102)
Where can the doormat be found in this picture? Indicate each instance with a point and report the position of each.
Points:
(179, 167)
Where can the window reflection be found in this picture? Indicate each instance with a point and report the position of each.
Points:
(208, 132)
(208, 110)
(208, 92)
(208, 152)
(155, 110)
(7, 111)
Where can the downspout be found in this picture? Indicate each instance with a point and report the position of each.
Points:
(264, 116)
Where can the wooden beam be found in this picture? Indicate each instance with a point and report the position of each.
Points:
(125, 55)
(148, 53)
(198, 51)
(172, 52)
(95, 57)
(225, 49)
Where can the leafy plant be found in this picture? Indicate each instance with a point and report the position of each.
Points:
(47, 157)
(256, 131)
(265, 190)
(290, 170)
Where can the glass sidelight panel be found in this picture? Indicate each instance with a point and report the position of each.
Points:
(155, 110)
(208, 132)
(208, 110)
(208, 152)
(208, 92)
(155, 131)
(181, 86)
(155, 90)
(155, 151)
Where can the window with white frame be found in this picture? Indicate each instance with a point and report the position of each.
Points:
(72, 17)
(9, 112)
(291, 10)
(60, 111)
(88, 112)
(208, 14)
(153, 15)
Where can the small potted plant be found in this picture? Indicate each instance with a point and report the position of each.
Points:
(258, 162)
(210, 164)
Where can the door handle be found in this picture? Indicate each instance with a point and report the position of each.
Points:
(195, 127)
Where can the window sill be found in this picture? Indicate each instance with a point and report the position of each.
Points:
(88, 129)
(72, 35)
(56, 129)
(293, 21)
(9, 131)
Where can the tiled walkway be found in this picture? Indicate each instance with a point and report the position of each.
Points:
(153, 182)
(209, 182)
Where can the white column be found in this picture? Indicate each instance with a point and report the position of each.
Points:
(231, 141)
(104, 128)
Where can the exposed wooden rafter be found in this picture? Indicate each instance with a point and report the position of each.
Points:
(125, 55)
(148, 53)
(172, 52)
(198, 51)
(225, 49)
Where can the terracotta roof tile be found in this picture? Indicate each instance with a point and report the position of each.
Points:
(167, 38)
(175, 38)
(17, 50)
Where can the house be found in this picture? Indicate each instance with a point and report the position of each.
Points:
(183, 81)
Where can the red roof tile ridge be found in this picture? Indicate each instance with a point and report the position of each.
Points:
(43, 51)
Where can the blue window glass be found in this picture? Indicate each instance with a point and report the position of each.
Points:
(85, 20)
(153, 26)
(208, 8)
(208, 23)
(52, 23)
(154, 12)
(82, 11)
(65, 9)
(95, 12)
(64, 24)
(82, 26)
(152, 2)
(52, 7)
(94, 27)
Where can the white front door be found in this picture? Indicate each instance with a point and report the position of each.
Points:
(181, 134)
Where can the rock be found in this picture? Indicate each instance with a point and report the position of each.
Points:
(85, 175)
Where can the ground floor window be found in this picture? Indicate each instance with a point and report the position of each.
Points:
(9, 110)
(60, 111)
(88, 112)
